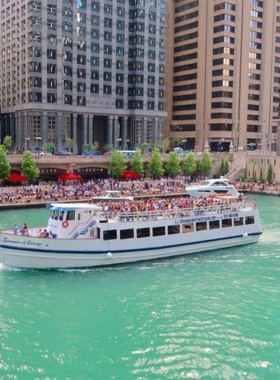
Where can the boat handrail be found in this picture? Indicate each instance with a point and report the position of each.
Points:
(173, 213)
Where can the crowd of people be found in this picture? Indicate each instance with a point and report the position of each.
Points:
(165, 204)
(59, 191)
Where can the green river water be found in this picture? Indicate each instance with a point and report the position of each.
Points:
(204, 316)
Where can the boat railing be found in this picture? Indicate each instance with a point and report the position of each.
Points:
(173, 213)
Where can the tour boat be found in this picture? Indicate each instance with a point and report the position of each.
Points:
(219, 186)
(83, 235)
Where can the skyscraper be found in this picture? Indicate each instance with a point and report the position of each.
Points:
(225, 73)
(85, 70)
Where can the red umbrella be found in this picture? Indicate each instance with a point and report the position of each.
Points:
(15, 177)
(70, 176)
(130, 174)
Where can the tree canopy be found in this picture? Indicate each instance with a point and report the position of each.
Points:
(137, 162)
(155, 164)
(5, 167)
(117, 163)
(224, 169)
(173, 165)
(269, 175)
(190, 165)
(69, 143)
(49, 147)
(205, 164)
(28, 166)
(7, 142)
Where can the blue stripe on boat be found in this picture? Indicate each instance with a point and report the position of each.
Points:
(128, 250)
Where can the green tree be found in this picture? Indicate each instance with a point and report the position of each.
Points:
(28, 166)
(137, 163)
(178, 141)
(269, 175)
(117, 163)
(254, 174)
(261, 177)
(95, 146)
(92, 146)
(145, 146)
(69, 143)
(7, 142)
(190, 165)
(224, 169)
(49, 147)
(205, 164)
(173, 165)
(107, 148)
(5, 167)
(164, 145)
(88, 146)
(155, 164)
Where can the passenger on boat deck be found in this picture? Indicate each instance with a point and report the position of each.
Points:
(39, 233)
(50, 235)
(25, 226)
(15, 229)
(44, 234)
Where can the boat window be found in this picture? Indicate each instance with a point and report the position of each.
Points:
(249, 220)
(143, 232)
(61, 215)
(110, 235)
(95, 233)
(226, 222)
(127, 234)
(201, 226)
(238, 221)
(187, 227)
(70, 215)
(173, 230)
(158, 231)
(213, 224)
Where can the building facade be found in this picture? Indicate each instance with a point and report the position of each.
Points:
(82, 70)
(225, 73)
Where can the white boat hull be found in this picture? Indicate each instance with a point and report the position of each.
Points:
(26, 258)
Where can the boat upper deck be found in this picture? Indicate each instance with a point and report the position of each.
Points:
(175, 213)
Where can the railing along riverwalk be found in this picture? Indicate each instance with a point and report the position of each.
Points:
(195, 212)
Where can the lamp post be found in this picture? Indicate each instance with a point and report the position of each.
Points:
(184, 143)
(27, 142)
(38, 139)
(119, 141)
(128, 144)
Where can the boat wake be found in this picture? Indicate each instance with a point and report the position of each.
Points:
(11, 269)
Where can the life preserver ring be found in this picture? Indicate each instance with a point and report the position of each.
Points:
(65, 224)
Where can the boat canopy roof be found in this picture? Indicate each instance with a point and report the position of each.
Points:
(73, 206)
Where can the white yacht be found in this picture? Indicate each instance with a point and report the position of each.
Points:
(85, 236)
(212, 187)
(112, 195)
